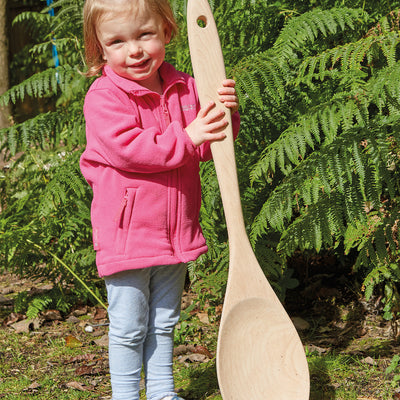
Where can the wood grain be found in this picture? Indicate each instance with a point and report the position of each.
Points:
(259, 354)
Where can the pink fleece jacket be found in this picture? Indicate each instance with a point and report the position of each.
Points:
(144, 171)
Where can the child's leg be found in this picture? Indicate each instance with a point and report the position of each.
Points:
(128, 299)
(166, 288)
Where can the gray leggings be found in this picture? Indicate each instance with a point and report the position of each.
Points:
(144, 307)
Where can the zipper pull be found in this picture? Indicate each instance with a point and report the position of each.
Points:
(121, 210)
(165, 111)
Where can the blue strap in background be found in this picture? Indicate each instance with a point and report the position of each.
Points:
(53, 46)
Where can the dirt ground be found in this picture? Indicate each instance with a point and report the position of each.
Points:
(327, 312)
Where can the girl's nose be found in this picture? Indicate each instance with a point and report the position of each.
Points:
(135, 49)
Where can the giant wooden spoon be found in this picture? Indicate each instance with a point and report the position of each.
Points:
(259, 355)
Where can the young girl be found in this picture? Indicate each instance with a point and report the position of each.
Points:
(145, 137)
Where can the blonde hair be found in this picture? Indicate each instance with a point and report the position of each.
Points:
(94, 11)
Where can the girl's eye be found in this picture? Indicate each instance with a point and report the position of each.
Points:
(114, 42)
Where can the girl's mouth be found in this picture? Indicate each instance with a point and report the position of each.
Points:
(141, 65)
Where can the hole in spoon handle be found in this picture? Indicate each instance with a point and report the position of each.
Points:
(202, 21)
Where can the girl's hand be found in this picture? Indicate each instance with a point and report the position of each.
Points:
(208, 125)
(227, 95)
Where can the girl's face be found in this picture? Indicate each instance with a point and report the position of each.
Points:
(134, 46)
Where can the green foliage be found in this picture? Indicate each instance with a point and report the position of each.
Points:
(33, 305)
(337, 156)
(394, 369)
(317, 155)
(45, 202)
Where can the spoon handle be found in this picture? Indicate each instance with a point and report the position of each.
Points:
(209, 71)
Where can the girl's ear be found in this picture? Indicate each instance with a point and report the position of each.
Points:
(167, 34)
(100, 50)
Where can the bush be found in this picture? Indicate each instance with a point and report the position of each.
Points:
(317, 154)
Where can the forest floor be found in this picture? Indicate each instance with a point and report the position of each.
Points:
(352, 352)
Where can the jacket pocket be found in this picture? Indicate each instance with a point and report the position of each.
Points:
(123, 219)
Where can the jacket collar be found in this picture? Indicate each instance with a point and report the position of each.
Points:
(168, 73)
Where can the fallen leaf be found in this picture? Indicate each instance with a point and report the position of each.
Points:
(33, 387)
(52, 315)
(13, 318)
(300, 324)
(73, 320)
(103, 341)
(76, 385)
(193, 358)
(80, 311)
(183, 349)
(100, 313)
(86, 370)
(368, 360)
(26, 325)
(186, 301)
(345, 331)
(203, 317)
(81, 357)
(203, 350)
(320, 350)
(72, 341)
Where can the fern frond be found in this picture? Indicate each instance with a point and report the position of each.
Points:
(310, 230)
(308, 26)
(261, 72)
(67, 181)
(356, 174)
(45, 47)
(39, 85)
(384, 88)
(376, 239)
(247, 87)
(38, 304)
(322, 122)
(35, 131)
(32, 19)
(68, 11)
(350, 56)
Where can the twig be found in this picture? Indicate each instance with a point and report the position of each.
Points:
(71, 271)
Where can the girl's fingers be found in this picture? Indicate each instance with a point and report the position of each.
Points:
(213, 115)
(229, 104)
(206, 109)
(216, 126)
(228, 99)
(227, 91)
(228, 83)
(212, 137)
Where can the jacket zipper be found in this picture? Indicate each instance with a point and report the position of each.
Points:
(165, 112)
(172, 202)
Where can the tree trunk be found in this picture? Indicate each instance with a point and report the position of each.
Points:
(5, 112)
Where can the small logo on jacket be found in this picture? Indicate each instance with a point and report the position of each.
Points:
(189, 107)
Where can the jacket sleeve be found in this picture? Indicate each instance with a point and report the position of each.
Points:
(115, 137)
